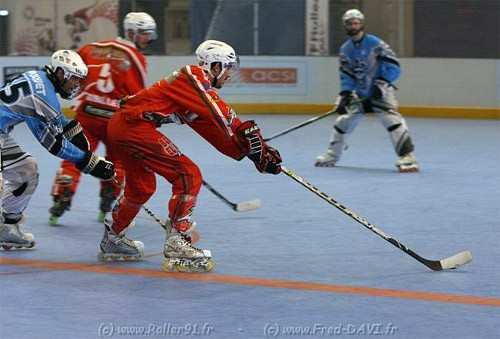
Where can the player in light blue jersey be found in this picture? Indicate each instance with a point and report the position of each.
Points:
(31, 98)
(368, 70)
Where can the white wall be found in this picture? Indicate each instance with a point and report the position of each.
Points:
(425, 82)
(449, 82)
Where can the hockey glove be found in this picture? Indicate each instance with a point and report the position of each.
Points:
(265, 158)
(379, 88)
(159, 119)
(96, 166)
(74, 133)
(347, 98)
(123, 100)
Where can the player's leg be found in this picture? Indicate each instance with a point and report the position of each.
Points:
(139, 187)
(66, 183)
(110, 190)
(19, 182)
(344, 125)
(64, 186)
(186, 180)
(385, 109)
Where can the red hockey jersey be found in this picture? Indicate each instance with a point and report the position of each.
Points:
(116, 69)
(188, 94)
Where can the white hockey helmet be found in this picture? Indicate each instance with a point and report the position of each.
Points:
(352, 14)
(140, 22)
(72, 65)
(70, 62)
(211, 51)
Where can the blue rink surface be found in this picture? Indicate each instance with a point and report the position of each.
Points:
(296, 267)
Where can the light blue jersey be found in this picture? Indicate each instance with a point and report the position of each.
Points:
(32, 98)
(363, 61)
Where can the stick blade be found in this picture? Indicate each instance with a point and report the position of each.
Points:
(246, 206)
(456, 260)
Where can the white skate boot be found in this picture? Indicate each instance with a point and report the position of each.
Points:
(11, 236)
(118, 247)
(407, 163)
(181, 256)
(329, 159)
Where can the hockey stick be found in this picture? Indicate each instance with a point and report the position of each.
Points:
(164, 224)
(454, 261)
(243, 206)
(310, 121)
(302, 124)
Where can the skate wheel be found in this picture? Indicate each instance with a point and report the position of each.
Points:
(53, 220)
(102, 257)
(116, 257)
(321, 164)
(168, 267)
(209, 265)
(188, 266)
(101, 217)
(412, 169)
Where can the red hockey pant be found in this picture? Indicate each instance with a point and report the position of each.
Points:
(145, 152)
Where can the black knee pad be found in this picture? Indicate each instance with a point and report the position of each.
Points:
(393, 127)
(20, 190)
(406, 147)
(339, 130)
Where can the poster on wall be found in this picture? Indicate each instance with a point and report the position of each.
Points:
(317, 27)
(43, 26)
(86, 21)
(32, 24)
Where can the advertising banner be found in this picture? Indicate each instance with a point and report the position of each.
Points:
(317, 27)
(269, 77)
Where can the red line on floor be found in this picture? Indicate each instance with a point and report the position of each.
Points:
(261, 282)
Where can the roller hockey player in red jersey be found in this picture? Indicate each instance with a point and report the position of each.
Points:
(187, 96)
(368, 69)
(117, 68)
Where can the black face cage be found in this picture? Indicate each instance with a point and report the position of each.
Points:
(51, 75)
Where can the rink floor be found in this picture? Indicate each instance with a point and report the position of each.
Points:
(295, 264)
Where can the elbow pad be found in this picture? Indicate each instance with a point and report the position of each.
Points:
(55, 148)
(73, 131)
